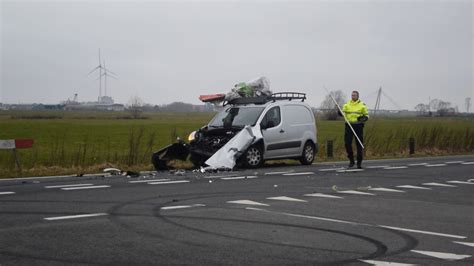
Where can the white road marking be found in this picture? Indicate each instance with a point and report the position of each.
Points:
(422, 232)
(248, 202)
(89, 187)
(414, 187)
(453, 162)
(355, 192)
(385, 263)
(435, 165)
(75, 185)
(464, 243)
(395, 167)
(304, 173)
(284, 198)
(148, 181)
(304, 216)
(182, 207)
(169, 182)
(460, 182)
(278, 173)
(386, 189)
(239, 177)
(350, 170)
(377, 166)
(75, 216)
(331, 169)
(437, 184)
(219, 176)
(321, 195)
(468, 163)
(7, 193)
(442, 255)
(417, 164)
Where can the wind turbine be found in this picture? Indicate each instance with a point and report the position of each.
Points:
(106, 74)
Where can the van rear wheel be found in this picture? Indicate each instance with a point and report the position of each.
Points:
(307, 157)
(253, 157)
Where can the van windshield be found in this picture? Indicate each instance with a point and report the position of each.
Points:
(236, 117)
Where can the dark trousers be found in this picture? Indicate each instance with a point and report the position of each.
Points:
(349, 136)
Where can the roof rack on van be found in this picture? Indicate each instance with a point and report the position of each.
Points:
(265, 99)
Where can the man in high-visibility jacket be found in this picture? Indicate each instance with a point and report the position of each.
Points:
(356, 113)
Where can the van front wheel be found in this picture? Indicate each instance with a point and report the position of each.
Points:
(307, 157)
(253, 157)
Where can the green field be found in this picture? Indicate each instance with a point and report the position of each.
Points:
(79, 142)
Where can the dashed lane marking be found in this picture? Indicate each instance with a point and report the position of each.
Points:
(386, 189)
(468, 163)
(75, 216)
(355, 192)
(417, 164)
(148, 181)
(331, 169)
(350, 170)
(182, 207)
(239, 177)
(460, 182)
(88, 187)
(75, 185)
(464, 243)
(169, 182)
(302, 216)
(304, 173)
(422, 232)
(442, 255)
(285, 198)
(218, 176)
(414, 187)
(435, 165)
(248, 202)
(377, 166)
(452, 162)
(385, 263)
(395, 167)
(437, 184)
(7, 193)
(278, 173)
(321, 195)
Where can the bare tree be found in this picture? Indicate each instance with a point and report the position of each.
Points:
(468, 104)
(135, 105)
(422, 108)
(328, 107)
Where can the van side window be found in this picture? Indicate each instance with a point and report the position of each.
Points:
(272, 117)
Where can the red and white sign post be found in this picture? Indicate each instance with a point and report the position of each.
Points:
(13, 144)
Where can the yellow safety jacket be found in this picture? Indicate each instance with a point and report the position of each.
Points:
(353, 110)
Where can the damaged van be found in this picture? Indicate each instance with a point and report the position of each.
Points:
(280, 126)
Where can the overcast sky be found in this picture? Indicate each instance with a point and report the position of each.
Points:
(177, 50)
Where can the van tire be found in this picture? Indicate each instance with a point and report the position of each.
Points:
(253, 157)
(309, 152)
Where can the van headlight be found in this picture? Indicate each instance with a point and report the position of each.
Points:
(192, 136)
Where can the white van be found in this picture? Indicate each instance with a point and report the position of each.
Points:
(285, 122)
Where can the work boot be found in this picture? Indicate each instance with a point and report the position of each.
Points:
(351, 164)
(359, 166)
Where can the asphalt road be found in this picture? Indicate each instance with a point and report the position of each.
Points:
(411, 211)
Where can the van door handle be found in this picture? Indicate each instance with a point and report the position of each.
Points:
(282, 131)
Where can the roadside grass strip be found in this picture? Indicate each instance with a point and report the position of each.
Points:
(435, 165)
(169, 182)
(460, 182)
(239, 177)
(385, 263)
(74, 185)
(88, 187)
(148, 181)
(321, 195)
(182, 207)
(437, 184)
(303, 173)
(7, 193)
(414, 187)
(386, 189)
(442, 255)
(75, 216)
(395, 167)
(285, 198)
(247, 202)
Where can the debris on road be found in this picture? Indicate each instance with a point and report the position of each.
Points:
(112, 171)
